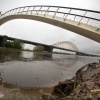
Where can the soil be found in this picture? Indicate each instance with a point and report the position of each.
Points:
(84, 86)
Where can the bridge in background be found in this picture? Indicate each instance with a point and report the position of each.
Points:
(48, 48)
(81, 21)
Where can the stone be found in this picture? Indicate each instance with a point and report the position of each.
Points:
(1, 95)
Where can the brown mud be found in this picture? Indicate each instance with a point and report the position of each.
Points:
(84, 86)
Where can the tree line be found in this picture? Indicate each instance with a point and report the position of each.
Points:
(38, 48)
(16, 44)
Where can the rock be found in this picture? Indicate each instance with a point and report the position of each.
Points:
(79, 87)
(49, 97)
(1, 95)
(46, 96)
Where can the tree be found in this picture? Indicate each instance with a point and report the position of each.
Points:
(17, 44)
(38, 48)
(4, 42)
(8, 44)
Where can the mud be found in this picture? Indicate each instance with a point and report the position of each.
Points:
(84, 86)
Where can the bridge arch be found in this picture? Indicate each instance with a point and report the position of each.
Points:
(78, 26)
(67, 45)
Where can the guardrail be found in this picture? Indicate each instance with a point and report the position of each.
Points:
(80, 15)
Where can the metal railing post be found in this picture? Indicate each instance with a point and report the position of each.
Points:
(12, 11)
(82, 18)
(67, 14)
(47, 11)
(15, 11)
(19, 10)
(87, 21)
(39, 10)
(23, 10)
(55, 12)
(32, 10)
(27, 10)
(63, 15)
(97, 28)
(8, 13)
(74, 17)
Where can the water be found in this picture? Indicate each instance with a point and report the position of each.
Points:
(36, 73)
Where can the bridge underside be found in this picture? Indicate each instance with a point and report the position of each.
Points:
(48, 49)
(81, 29)
(1, 41)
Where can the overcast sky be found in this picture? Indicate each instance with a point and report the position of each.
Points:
(46, 33)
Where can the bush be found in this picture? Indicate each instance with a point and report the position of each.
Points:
(12, 44)
(38, 48)
(17, 44)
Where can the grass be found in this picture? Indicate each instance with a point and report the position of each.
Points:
(73, 90)
(13, 96)
(74, 84)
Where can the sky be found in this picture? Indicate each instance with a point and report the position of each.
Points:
(45, 33)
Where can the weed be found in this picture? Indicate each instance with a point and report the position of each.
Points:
(74, 84)
(13, 96)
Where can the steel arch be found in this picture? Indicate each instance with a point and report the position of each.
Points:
(61, 43)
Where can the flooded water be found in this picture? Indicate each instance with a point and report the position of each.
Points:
(36, 73)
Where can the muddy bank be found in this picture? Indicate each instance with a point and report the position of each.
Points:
(84, 86)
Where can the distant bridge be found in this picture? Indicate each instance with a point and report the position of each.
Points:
(48, 48)
(81, 21)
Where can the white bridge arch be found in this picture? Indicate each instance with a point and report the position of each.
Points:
(81, 21)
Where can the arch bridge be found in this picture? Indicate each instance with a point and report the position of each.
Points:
(47, 48)
(62, 45)
(66, 44)
(81, 21)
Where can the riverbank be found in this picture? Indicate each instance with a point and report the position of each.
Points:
(84, 86)
(17, 50)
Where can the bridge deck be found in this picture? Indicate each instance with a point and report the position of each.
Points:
(74, 26)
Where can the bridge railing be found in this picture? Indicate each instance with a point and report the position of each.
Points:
(80, 15)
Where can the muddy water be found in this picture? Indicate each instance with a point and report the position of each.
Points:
(30, 73)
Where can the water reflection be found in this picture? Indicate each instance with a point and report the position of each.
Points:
(45, 56)
(9, 55)
(64, 60)
(23, 55)
(29, 70)
(31, 74)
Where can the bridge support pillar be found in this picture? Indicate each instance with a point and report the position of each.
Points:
(1, 41)
(48, 49)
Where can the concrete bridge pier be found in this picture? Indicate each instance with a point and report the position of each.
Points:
(48, 49)
(1, 41)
